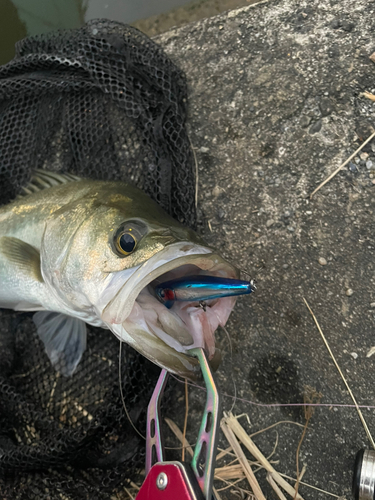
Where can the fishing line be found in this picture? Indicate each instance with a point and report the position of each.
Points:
(234, 397)
(274, 405)
(245, 272)
(126, 410)
(231, 371)
(122, 395)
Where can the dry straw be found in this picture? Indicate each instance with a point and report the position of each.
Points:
(343, 164)
(342, 376)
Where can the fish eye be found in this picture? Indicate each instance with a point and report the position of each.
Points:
(127, 236)
(126, 243)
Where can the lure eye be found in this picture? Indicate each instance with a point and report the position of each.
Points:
(126, 243)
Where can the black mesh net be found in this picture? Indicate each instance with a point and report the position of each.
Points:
(103, 102)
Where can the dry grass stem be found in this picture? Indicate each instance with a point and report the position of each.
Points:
(304, 469)
(274, 425)
(133, 485)
(221, 473)
(185, 421)
(258, 3)
(343, 164)
(231, 468)
(368, 95)
(299, 475)
(196, 172)
(218, 497)
(342, 376)
(275, 446)
(84, 412)
(249, 494)
(241, 434)
(311, 486)
(231, 463)
(229, 472)
(128, 492)
(53, 391)
(275, 487)
(310, 396)
(232, 440)
(229, 484)
(234, 473)
(22, 375)
(223, 453)
(176, 431)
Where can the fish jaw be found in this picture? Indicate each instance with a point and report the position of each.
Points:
(163, 335)
(158, 351)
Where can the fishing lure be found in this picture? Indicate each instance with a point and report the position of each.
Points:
(200, 288)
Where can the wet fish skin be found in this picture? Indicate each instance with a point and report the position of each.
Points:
(57, 253)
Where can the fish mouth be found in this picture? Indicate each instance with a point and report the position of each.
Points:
(163, 335)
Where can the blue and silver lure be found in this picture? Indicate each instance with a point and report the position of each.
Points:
(200, 288)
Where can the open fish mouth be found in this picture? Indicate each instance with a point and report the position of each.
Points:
(165, 335)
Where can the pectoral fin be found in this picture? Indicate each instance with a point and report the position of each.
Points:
(24, 257)
(64, 339)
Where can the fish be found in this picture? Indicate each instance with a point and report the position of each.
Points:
(77, 251)
(200, 288)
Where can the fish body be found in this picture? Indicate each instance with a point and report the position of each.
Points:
(81, 251)
(200, 288)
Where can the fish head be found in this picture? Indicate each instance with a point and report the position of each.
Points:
(104, 254)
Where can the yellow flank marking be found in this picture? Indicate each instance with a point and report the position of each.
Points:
(115, 198)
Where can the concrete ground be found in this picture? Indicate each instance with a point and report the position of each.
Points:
(276, 105)
(194, 10)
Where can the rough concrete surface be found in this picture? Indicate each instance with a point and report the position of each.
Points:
(192, 11)
(275, 107)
